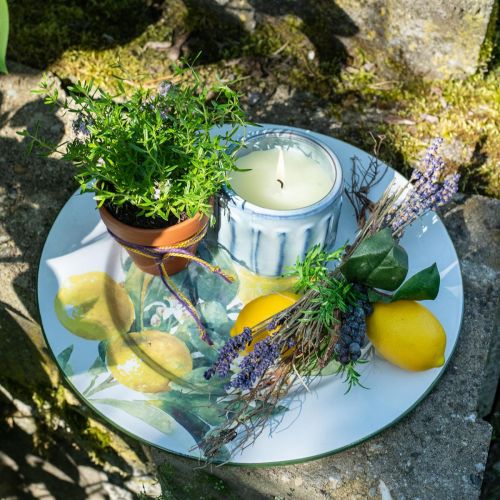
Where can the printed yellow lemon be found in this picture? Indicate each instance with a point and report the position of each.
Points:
(259, 310)
(253, 285)
(94, 306)
(147, 361)
(407, 334)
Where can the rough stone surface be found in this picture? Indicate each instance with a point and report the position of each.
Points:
(433, 39)
(50, 445)
(423, 37)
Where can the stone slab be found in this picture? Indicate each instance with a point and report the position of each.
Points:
(410, 37)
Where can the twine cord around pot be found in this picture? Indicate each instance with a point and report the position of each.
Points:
(159, 254)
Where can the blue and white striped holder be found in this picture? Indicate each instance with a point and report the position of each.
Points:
(266, 241)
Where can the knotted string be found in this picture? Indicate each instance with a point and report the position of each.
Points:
(160, 254)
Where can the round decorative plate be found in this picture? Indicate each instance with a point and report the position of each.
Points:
(91, 298)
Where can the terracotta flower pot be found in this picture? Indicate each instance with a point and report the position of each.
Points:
(165, 237)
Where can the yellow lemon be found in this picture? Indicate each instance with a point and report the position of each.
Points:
(259, 310)
(94, 306)
(253, 285)
(407, 334)
(147, 361)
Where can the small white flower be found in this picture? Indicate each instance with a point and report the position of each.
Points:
(157, 194)
(177, 310)
(162, 311)
(155, 320)
(100, 162)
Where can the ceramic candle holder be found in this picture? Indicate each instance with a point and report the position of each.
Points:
(265, 240)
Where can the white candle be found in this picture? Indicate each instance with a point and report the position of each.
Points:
(280, 179)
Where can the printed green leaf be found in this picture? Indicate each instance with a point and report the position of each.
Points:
(214, 316)
(101, 349)
(198, 405)
(4, 34)
(196, 383)
(378, 262)
(63, 360)
(94, 389)
(189, 333)
(179, 409)
(136, 284)
(143, 410)
(421, 286)
(210, 286)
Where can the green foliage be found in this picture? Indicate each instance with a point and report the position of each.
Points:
(379, 261)
(421, 286)
(4, 34)
(154, 151)
(351, 375)
(332, 293)
(313, 268)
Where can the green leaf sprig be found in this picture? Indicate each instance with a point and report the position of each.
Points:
(155, 151)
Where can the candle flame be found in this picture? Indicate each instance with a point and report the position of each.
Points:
(280, 167)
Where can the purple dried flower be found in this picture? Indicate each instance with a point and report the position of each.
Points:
(254, 365)
(427, 192)
(81, 124)
(272, 325)
(228, 353)
(164, 88)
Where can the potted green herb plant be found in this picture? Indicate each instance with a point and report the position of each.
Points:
(152, 161)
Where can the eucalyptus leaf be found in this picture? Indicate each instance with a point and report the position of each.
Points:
(330, 369)
(143, 410)
(421, 286)
(379, 261)
(375, 296)
(4, 34)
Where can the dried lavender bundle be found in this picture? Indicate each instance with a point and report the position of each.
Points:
(313, 331)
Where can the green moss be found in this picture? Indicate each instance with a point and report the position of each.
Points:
(282, 36)
(99, 436)
(39, 36)
(466, 113)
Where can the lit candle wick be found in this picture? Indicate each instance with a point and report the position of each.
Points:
(280, 168)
